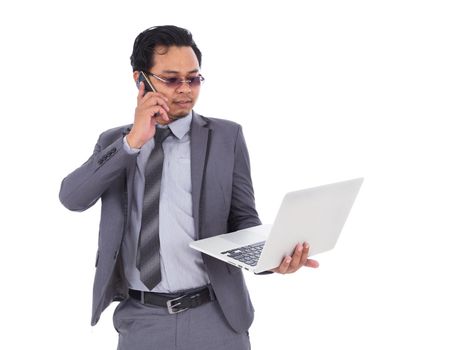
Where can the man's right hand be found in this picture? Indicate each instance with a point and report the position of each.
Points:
(151, 109)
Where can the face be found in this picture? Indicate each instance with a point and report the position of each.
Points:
(180, 63)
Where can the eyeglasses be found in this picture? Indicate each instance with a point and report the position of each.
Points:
(174, 83)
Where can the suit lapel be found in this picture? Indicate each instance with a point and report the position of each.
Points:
(200, 135)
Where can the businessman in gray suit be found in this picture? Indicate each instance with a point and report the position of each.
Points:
(171, 177)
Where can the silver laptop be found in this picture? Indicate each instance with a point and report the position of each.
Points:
(315, 215)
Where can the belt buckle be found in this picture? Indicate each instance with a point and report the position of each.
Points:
(173, 303)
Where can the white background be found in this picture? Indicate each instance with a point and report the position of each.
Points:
(325, 91)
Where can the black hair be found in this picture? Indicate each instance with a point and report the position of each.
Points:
(142, 57)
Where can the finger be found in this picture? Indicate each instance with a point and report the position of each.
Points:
(161, 117)
(305, 253)
(141, 91)
(312, 263)
(162, 103)
(154, 112)
(153, 95)
(284, 267)
(296, 257)
(154, 101)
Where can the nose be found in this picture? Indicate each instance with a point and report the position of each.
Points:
(184, 87)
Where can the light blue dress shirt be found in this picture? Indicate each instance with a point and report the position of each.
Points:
(181, 267)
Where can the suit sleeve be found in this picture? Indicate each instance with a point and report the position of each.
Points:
(84, 186)
(243, 213)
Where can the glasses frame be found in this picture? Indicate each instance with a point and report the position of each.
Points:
(180, 82)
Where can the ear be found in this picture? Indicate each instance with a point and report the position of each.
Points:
(136, 75)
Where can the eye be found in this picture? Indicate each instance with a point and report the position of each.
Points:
(172, 80)
(195, 80)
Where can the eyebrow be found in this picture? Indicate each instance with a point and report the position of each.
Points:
(176, 72)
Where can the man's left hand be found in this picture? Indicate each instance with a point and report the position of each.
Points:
(298, 259)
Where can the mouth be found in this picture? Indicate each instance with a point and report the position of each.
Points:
(183, 103)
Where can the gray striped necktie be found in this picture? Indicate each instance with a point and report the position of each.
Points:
(147, 259)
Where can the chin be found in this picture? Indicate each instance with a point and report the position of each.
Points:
(179, 115)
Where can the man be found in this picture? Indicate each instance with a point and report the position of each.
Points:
(171, 177)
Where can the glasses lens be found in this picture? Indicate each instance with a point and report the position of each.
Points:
(173, 82)
(176, 82)
(195, 81)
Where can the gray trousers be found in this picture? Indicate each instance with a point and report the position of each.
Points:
(145, 327)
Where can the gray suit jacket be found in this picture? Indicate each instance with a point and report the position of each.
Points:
(222, 199)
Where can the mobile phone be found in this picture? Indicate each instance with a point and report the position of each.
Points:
(143, 77)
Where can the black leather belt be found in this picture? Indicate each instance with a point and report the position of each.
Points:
(178, 302)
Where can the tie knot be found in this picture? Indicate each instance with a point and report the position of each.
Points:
(161, 134)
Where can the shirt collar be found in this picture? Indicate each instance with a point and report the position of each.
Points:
(181, 126)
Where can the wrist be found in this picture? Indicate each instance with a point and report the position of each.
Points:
(133, 141)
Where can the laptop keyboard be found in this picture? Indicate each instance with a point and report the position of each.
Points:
(248, 254)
